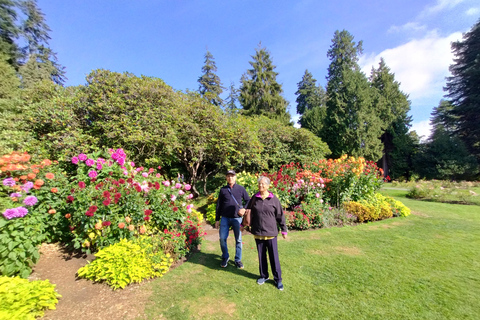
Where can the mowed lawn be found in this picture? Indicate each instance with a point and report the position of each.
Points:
(425, 266)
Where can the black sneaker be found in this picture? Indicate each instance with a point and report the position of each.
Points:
(239, 264)
(224, 263)
(261, 280)
(279, 285)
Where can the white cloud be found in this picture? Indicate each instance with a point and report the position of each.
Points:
(472, 11)
(423, 129)
(407, 27)
(420, 65)
(440, 6)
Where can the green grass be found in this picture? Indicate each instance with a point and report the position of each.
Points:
(425, 266)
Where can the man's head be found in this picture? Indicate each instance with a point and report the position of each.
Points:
(231, 177)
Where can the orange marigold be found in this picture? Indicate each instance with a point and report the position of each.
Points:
(54, 190)
(50, 175)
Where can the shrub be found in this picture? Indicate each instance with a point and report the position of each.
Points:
(126, 262)
(337, 217)
(377, 207)
(418, 192)
(23, 299)
(211, 213)
(363, 211)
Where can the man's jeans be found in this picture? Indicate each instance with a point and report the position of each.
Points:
(225, 224)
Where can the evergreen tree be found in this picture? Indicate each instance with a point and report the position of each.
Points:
(231, 101)
(463, 88)
(351, 125)
(210, 84)
(9, 31)
(443, 118)
(391, 105)
(311, 103)
(39, 61)
(260, 93)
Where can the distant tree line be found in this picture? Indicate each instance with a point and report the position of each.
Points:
(200, 134)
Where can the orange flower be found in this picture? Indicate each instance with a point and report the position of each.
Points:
(31, 176)
(35, 171)
(46, 162)
(23, 177)
(14, 199)
(39, 182)
(54, 190)
(128, 219)
(50, 175)
(36, 187)
(68, 215)
(52, 211)
(16, 179)
(25, 157)
(131, 227)
(98, 225)
(121, 225)
(143, 229)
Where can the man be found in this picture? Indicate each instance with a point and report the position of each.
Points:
(230, 208)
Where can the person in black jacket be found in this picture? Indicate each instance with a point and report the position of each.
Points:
(230, 208)
(266, 215)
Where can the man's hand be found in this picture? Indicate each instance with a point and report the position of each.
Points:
(284, 236)
(241, 212)
(217, 223)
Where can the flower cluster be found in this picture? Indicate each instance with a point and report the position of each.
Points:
(18, 212)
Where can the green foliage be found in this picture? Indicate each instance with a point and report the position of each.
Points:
(378, 207)
(211, 213)
(210, 84)
(23, 299)
(464, 192)
(260, 93)
(310, 103)
(123, 263)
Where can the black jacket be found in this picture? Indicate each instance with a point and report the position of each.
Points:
(226, 206)
(266, 215)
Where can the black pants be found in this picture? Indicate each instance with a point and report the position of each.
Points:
(271, 246)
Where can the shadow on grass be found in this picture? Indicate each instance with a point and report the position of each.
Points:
(212, 261)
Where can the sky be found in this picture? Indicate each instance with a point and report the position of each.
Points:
(168, 39)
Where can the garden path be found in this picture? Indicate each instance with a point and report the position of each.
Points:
(83, 299)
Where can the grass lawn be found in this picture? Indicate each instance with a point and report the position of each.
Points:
(425, 266)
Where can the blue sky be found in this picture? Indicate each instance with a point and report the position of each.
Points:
(168, 39)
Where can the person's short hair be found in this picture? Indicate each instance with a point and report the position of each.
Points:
(264, 178)
(231, 172)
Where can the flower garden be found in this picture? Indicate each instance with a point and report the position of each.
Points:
(138, 222)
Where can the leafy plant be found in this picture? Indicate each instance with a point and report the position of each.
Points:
(23, 299)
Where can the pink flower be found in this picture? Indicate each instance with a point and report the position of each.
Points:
(90, 162)
(30, 200)
(166, 183)
(321, 200)
(99, 166)
(317, 195)
(180, 192)
(27, 186)
(188, 187)
(125, 173)
(330, 208)
(173, 197)
(178, 185)
(75, 160)
(132, 164)
(144, 174)
(189, 210)
(82, 157)
(81, 184)
(321, 181)
(158, 175)
(190, 196)
(92, 174)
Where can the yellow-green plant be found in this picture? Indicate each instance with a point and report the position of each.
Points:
(211, 212)
(23, 299)
(121, 264)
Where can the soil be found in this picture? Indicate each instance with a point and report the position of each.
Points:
(84, 299)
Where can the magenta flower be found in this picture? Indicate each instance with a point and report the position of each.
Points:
(22, 212)
(75, 160)
(158, 175)
(166, 183)
(317, 195)
(30, 200)
(9, 182)
(15, 195)
(82, 157)
(144, 174)
(181, 192)
(27, 186)
(90, 162)
(92, 174)
(188, 187)
(178, 185)
(173, 197)
(99, 166)
(19, 212)
(190, 196)
(132, 164)
(101, 160)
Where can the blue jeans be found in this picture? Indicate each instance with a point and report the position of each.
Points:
(225, 224)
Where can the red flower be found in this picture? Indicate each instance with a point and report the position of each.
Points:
(138, 188)
(81, 184)
(157, 185)
(115, 200)
(89, 213)
(146, 218)
(106, 223)
(121, 181)
(70, 199)
(110, 173)
(129, 180)
(106, 201)
(175, 209)
(93, 208)
(148, 212)
(118, 195)
(93, 180)
(106, 194)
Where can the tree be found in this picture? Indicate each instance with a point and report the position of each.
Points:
(231, 101)
(351, 124)
(391, 105)
(210, 84)
(9, 31)
(39, 61)
(311, 103)
(260, 93)
(443, 118)
(463, 88)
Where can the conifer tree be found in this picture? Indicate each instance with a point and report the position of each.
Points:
(210, 84)
(9, 32)
(311, 103)
(260, 93)
(463, 88)
(231, 101)
(351, 125)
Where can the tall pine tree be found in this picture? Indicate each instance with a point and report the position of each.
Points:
(260, 93)
(351, 125)
(311, 103)
(210, 84)
(9, 32)
(463, 88)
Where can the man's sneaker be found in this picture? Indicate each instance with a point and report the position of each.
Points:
(279, 285)
(239, 264)
(261, 280)
(224, 263)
